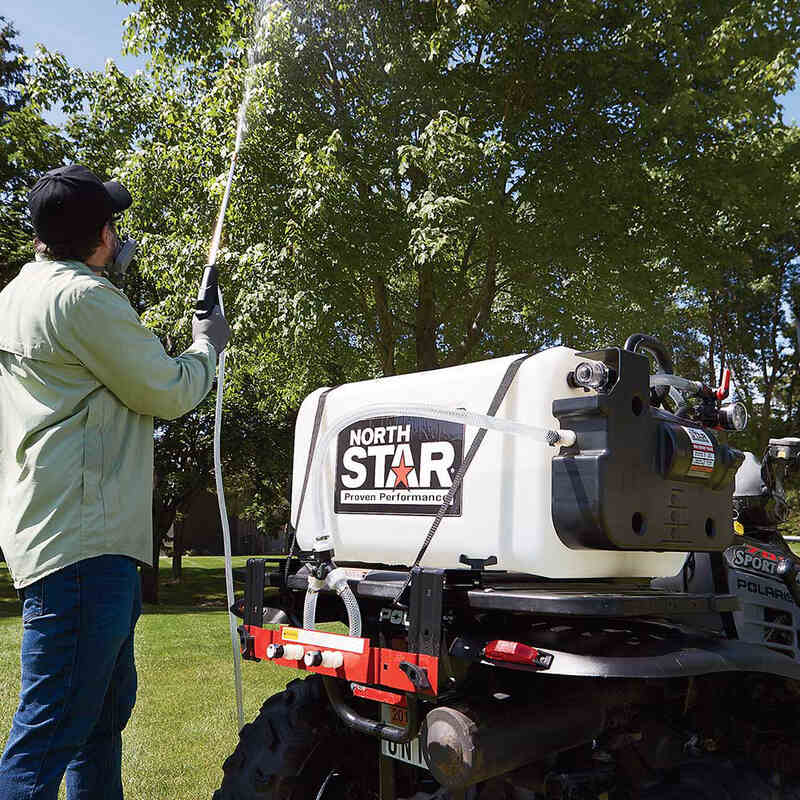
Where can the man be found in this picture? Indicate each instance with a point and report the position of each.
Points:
(80, 382)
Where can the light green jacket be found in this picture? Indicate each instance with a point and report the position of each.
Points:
(80, 382)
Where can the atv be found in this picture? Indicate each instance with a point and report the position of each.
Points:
(620, 624)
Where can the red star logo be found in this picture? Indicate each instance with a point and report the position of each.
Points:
(401, 472)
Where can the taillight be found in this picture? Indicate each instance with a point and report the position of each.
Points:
(517, 653)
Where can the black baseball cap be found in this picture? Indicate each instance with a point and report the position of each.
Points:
(71, 202)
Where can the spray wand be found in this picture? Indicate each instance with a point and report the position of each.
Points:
(208, 297)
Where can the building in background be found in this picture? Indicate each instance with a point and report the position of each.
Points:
(199, 532)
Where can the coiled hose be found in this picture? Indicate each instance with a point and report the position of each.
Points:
(353, 611)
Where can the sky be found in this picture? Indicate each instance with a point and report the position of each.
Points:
(88, 33)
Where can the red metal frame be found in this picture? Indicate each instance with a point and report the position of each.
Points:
(379, 666)
(379, 695)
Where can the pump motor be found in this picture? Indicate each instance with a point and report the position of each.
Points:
(639, 477)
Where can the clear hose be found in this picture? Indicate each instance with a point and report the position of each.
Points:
(353, 611)
(320, 508)
(337, 581)
(255, 55)
(310, 609)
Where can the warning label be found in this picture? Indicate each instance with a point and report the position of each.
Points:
(703, 456)
(398, 465)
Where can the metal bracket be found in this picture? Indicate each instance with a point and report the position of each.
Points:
(425, 611)
(468, 648)
(371, 727)
(247, 644)
(254, 592)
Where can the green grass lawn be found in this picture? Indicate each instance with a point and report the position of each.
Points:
(184, 723)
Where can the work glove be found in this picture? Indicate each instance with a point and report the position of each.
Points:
(213, 327)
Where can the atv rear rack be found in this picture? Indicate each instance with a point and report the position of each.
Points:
(413, 649)
(520, 594)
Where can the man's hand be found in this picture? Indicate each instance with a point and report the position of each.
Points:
(214, 328)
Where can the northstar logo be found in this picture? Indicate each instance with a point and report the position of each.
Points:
(398, 465)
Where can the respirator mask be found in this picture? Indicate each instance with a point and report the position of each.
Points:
(124, 252)
(123, 255)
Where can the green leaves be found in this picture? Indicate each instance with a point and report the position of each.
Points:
(424, 183)
(12, 69)
(28, 147)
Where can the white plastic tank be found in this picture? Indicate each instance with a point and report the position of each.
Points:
(385, 477)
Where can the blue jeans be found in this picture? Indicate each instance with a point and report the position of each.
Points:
(78, 683)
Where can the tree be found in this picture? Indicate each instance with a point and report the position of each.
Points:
(427, 183)
(757, 338)
(465, 179)
(741, 310)
(12, 69)
(28, 147)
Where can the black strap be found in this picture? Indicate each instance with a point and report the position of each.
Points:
(499, 396)
(312, 446)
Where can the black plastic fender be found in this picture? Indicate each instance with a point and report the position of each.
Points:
(623, 650)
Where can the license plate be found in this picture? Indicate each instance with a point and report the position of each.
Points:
(410, 752)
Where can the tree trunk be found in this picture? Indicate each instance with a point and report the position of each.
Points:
(177, 549)
(712, 340)
(480, 311)
(385, 327)
(150, 574)
(233, 527)
(766, 421)
(795, 417)
(426, 325)
(163, 517)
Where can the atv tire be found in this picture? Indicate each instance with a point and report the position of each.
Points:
(294, 748)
